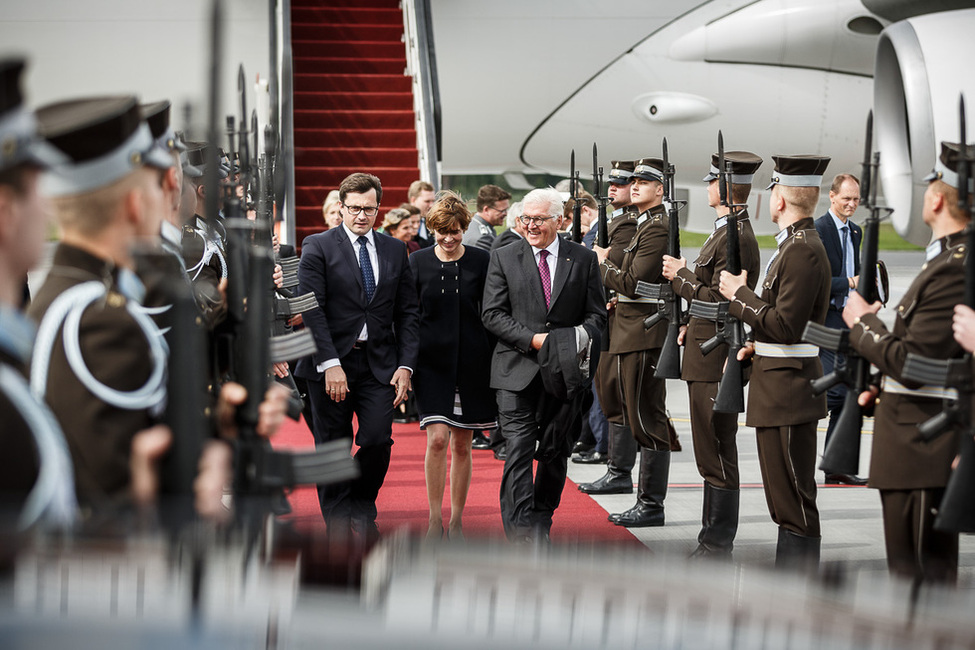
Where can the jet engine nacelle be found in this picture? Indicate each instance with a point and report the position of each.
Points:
(923, 65)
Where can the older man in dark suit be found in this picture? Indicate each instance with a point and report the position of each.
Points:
(536, 288)
(841, 238)
(366, 328)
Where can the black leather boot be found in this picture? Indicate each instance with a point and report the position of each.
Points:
(797, 552)
(719, 523)
(649, 508)
(618, 478)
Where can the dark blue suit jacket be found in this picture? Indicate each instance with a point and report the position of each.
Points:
(830, 236)
(329, 268)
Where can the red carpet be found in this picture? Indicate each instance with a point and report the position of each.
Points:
(403, 502)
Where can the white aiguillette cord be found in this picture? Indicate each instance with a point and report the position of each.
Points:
(68, 309)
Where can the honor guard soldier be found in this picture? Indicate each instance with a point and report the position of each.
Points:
(637, 349)
(910, 471)
(157, 271)
(203, 250)
(36, 476)
(621, 447)
(99, 361)
(714, 433)
(781, 405)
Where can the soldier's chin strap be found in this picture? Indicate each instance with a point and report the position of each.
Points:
(68, 309)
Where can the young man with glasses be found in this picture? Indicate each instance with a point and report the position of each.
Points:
(366, 329)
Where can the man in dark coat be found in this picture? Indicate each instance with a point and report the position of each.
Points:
(841, 238)
(367, 333)
(533, 287)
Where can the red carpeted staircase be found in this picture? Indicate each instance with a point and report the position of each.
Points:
(353, 103)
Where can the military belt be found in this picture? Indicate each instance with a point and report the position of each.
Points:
(782, 351)
(641, 300)
(890, 385)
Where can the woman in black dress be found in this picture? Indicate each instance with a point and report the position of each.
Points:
(452, 378)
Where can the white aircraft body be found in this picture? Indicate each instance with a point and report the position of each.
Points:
(523, 83)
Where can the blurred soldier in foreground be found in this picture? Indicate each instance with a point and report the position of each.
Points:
(715, 446)
(781, 405)
(36, 475)
(99, 361)
(911, 472)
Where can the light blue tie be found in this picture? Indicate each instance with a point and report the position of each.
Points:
(847, 262)
(365, 265)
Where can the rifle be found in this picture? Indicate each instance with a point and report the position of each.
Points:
(260, 472)
(842, 454)
(668, 303)
(731, 389)
(955, 513)
(602, 236)
(574, 196)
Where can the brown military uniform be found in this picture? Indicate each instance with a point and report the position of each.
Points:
(117, 353)
(619, 232)
(911, 473)
(636, 348)
(715, 446)
(781, 405)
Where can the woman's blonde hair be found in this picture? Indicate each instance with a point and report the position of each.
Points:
(394, 218)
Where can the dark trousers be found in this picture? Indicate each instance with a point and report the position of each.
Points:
(915, 550)
(714, 435)
(644, 398)
(830, 359)
(787, 457)
(598, 424)
(372, 404)
(527, 502)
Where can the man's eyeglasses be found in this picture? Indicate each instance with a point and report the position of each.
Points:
(505, 211)
(538, 221)
(354, 210)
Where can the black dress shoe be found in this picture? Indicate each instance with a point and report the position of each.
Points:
(591, 458)
(641, 516)
(609, 484)
(581, 448)
(845, 479)
(481, 441)
(501, 453)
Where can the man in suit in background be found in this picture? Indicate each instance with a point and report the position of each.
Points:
(492, 206)
(533, 288)
(515, 231)
(841, 238)
(421, 195)
(367, 333)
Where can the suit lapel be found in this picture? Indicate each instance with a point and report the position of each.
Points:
(561, 271)
(385, 260)
(834, 244)
(350, 255)
(530, 269)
